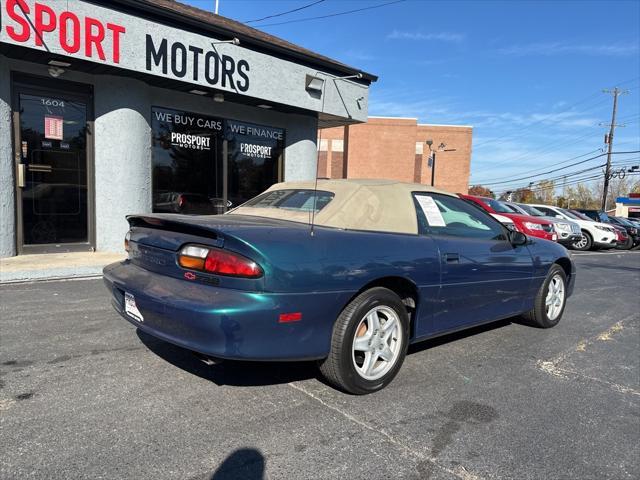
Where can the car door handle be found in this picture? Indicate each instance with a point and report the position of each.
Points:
(451, 257)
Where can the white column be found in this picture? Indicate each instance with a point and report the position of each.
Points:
(122, 157)
(7, 185)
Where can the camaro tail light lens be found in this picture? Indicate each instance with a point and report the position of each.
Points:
(215, 260)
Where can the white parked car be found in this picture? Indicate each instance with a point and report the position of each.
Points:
(595, 235)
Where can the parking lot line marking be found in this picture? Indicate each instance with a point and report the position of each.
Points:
(553, 367)
(460, 471)
(615, 252)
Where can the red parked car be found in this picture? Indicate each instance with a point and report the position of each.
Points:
(534, 226)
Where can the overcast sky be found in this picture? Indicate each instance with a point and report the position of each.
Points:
(526, 75)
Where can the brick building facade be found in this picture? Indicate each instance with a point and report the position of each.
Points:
(394, 148)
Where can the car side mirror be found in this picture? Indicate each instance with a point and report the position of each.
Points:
(518, 238)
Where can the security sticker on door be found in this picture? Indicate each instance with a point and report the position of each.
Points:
(431, 211)
(131, 308)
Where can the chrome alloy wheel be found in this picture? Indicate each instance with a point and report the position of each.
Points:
(582, 243)
(377, 343)
(555, 297)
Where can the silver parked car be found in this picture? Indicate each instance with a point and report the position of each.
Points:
(568, 231)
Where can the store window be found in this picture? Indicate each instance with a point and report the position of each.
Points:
(187, 162)
(255, 159)
(189, 156)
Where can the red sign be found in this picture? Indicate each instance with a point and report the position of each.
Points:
(53, 127)
(74, 31)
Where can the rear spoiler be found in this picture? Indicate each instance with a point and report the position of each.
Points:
(161, 222)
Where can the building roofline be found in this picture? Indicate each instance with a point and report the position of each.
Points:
(443, 125)
(182, 14)
(393, 118)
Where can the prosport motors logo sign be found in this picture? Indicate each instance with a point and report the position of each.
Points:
(255, 151)
(194, 142)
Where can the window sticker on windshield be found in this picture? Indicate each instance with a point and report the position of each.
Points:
(431, 211)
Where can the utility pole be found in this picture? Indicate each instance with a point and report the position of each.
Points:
(607, 173)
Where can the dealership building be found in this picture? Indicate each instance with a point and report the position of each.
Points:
(109, 108)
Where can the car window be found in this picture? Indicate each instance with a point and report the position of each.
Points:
(574, 215)
(622, 221)
(533, 211)
(511, 208)
(297, 200)
(497, 206)
(452, 216)
(547, 211)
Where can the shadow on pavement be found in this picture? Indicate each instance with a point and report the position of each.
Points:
(244, 463)
(469, 332)
(245, 374)
(236, 373)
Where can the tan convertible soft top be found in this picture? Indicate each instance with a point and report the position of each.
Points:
(376, 205)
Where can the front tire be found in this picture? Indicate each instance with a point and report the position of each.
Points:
(627, 245)
(369, 342)
(585, 243)
(550, 300)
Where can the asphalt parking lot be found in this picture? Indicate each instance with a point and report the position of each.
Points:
(83, 395)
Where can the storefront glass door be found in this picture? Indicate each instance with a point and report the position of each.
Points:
(51, 153)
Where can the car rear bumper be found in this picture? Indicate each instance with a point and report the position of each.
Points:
(226, 323)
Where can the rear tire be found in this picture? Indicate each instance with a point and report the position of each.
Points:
(550, 300)
(585, 243)
(369, 342)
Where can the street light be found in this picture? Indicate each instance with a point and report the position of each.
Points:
(432, 157)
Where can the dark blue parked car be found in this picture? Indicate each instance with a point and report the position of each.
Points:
(348, 273)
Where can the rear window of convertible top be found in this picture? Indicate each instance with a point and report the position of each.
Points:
(296, 200)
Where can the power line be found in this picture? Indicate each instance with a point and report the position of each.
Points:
(559, 177)
(574, 181)
(285, 13)
(543, 173)
(550, 149)
(562, 168)
(337, 14)
(508, 177)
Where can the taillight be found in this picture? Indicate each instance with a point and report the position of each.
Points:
(180, 201)
(220, 262)
(127, 238)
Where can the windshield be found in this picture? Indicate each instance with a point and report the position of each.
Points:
(496, 205)
(533, 211)
(623, 221)
(296, 200)
(511, 208)
(574, 215)
(582, 216)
